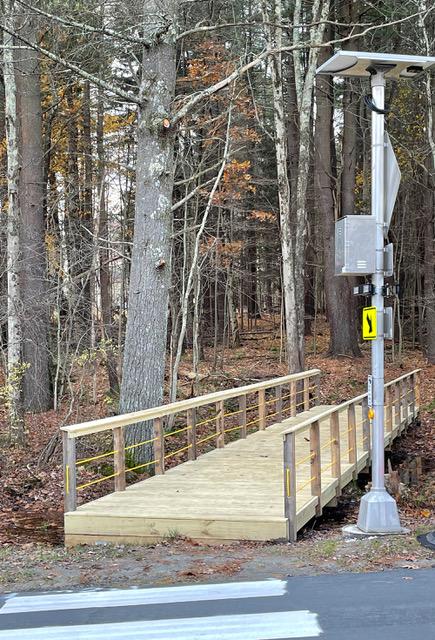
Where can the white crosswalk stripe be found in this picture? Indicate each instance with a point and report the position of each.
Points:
(257, 626)
(129, 597)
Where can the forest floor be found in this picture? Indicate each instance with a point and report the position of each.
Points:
(32, 555)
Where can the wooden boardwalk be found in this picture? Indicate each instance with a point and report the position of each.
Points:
(262, 487)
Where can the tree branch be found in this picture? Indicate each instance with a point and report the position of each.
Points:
(237, 73)
(259, 23)
(85, 27)
(99, 82)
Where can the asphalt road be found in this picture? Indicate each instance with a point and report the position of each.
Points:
(393, 605)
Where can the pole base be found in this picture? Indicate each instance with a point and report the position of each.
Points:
(352, 531)
(378, 513)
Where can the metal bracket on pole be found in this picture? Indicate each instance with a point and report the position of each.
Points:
(391, 290)
(363, 290)
(388, 261)
(388, 323)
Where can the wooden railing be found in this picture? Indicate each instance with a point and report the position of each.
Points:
(285, 396)
(402, 401)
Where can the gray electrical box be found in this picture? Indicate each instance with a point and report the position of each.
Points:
(355, 246)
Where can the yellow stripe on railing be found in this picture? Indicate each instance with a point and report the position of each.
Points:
(173, 433)
(305, 459)
(101, 455)
(213, 435)
(67, 479)
(140, 466)
(139, 444)
(299, 489)
(98, 480)
(174, 453)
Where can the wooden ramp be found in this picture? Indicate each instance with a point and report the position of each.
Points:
(262, 487)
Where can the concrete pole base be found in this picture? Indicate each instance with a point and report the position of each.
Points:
(352, 531)
(378, 513)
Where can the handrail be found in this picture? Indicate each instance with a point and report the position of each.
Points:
(340, 407)
(113, 422)
(303, 386)
(402, 401)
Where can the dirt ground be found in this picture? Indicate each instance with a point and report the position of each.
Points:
(32, 555)
(43, 567)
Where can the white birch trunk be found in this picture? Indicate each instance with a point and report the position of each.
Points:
(189, 283)
(319, 13)
(284, 196)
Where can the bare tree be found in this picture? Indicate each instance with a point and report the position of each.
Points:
(15, 366)
(35, 304)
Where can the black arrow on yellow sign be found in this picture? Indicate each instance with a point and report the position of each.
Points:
(369, 323)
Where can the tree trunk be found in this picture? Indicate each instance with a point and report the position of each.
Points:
(36, 353)
(339, 303)
(105, 289)
(15, 369)
(429, 231)
(145, 340)
(287, 246)
(86, 242)
(319, 12)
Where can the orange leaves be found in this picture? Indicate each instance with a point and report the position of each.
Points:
(236, 183)
(114, 122)
(210, 66)
(222, 253)
(263, 216)
(232, 248)
(246, 134)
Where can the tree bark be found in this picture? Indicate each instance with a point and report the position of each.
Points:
(287, 245)
(339, 302)
(104, 255)
(15, 369)
(36, 353)
(429, 231)
(145, 340)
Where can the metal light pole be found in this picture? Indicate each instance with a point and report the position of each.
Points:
(378, 510)
(360, 250)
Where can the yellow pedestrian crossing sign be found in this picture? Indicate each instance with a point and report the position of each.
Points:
(369, 323)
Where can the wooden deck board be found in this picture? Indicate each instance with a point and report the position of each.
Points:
(232, 493)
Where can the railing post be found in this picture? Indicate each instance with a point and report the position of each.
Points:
(315, 467)
(159, 446)
(293, 409)
(290, 486)
(388, 410)
(405, 401)
(412, 393)
(306, 394)
(262, 409)
(335, 448)
(191, 434)
(69, 472)
(365, 424)
(317, 389)
(351, 432)
(417, 390)
(119, 458)
(242, 409)
(397, 412)
(220, 424)
(278, 410)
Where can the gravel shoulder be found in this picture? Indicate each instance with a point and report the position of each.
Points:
(43, 567)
